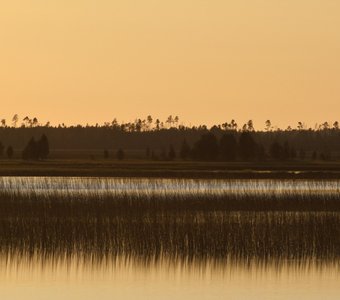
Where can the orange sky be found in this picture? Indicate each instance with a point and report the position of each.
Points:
(79, 61)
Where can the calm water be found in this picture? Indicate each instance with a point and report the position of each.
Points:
(124, 280)
(35, 275)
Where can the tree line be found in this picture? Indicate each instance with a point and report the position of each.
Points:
(34, 150)
(166, 140)
(6, 150)
(171, 122)
(232, 148)
(208, 147)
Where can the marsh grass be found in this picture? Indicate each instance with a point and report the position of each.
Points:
(176, 219)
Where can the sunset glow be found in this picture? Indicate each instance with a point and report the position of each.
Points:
(206, 61)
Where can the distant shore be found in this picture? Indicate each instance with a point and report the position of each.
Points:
(173, 169)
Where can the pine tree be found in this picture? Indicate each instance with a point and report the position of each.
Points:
(31, 150)
(43, 147)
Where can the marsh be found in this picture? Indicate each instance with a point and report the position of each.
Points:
(188, 227)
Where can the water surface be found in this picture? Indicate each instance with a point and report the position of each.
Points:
(125, 280)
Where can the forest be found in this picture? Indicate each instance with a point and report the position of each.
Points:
(168, 140)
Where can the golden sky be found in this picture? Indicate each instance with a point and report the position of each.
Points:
(208, 61)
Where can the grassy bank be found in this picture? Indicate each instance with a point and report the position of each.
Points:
(167, 169)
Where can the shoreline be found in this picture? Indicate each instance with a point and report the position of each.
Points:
(174, 169)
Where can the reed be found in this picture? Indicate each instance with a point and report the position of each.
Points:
(185, 220)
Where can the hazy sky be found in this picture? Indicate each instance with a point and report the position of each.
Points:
(78, 61)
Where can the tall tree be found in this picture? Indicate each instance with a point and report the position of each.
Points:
(34, 122)
(149, 119)
(176, 120)
(31, 150)
(43, 147)
(233, 125)
(157, 123)
(170, 121)
(26, 121)
(250, 125)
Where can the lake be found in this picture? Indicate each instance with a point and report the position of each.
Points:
(108, 238)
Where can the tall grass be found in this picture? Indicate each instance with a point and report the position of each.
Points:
(176, 219)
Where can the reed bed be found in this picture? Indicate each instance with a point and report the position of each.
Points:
(176, 219)
(167, 187)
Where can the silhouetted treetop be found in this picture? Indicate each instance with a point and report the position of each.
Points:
(157, 135)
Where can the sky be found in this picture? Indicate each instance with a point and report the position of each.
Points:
(207, 61)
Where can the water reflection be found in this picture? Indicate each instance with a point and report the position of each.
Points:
(129, 278)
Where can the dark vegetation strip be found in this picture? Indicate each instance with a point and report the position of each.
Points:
(171, 169)
(155, 136)
(242, 227)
